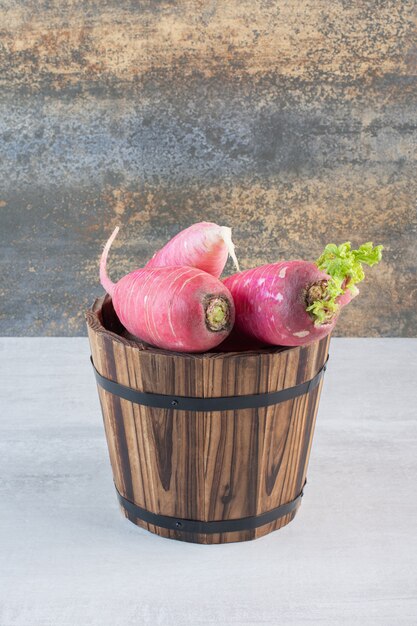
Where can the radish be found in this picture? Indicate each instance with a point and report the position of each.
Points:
(174, 308)
(292, 303)
(203, 245)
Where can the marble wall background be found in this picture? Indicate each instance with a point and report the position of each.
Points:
(293, 121)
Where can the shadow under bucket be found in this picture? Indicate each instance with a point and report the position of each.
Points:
(207, 448)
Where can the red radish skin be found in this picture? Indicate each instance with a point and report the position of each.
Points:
(204, 245)
(270, 303)
(174, 308)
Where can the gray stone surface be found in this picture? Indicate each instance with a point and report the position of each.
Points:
(69, 558)
(292, 122)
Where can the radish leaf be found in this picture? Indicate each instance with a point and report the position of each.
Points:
(344, 265)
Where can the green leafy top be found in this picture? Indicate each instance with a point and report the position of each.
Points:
(345, 268)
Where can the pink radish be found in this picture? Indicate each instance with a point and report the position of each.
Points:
(174, 308)
(292, 303)
(204, 245)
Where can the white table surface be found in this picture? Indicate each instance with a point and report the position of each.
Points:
(68, 557)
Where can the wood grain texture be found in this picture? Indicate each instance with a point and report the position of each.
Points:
(205, 466)
(293, 122)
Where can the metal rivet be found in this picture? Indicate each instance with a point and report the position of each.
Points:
(178, 524)
(174, 402)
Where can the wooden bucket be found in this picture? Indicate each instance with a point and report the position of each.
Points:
(207, 448)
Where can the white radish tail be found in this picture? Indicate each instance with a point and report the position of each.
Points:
(106, 283)
(226, 234)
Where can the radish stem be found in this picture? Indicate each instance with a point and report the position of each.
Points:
(217, 313)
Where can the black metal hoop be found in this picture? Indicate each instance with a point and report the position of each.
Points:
(224, 403)
(218, 526)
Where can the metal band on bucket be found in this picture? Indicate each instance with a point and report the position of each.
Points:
(222, 403)
(217, 526)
